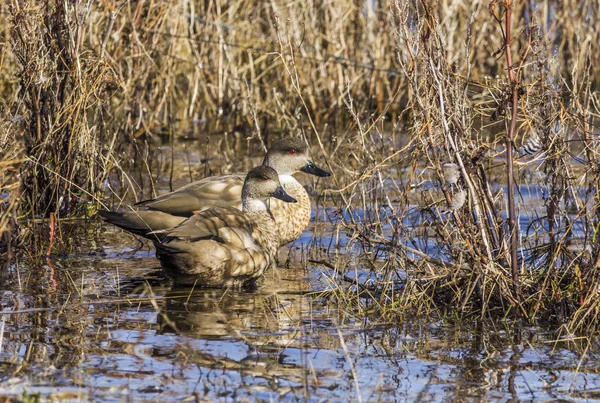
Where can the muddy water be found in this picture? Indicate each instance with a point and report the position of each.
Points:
(99, 322)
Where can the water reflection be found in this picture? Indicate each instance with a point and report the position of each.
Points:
(259, 334)
(113, 329)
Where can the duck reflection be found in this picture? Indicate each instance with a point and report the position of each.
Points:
(277, 305)
(265, 329)
(215, 314)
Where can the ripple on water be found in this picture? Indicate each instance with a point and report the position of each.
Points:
(114, 330)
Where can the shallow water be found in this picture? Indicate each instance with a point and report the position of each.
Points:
(99, 321)
(113, 329)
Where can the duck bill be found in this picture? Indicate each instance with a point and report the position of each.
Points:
(282, 195)
(311, 168)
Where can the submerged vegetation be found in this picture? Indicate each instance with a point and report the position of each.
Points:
(462, 135)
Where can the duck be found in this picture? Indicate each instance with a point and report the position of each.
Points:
(288, 156)
(225, 246)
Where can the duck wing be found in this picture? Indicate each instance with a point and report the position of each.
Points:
(225, 225)
(141, 222)
(214, 191)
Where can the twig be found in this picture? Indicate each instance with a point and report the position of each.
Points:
(343, 276)
(510, 135)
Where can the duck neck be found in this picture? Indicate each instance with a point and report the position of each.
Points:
(253, 205)
(287, 180)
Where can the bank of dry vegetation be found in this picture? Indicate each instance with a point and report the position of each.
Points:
(387, 92)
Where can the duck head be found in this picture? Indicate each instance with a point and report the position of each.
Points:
(290, 155)
(261, 183)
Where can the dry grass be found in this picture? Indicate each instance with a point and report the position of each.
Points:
(388, 94)
(423, 261)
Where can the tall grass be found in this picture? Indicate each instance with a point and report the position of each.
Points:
(461, 112)
(84, 80)
(389, 91)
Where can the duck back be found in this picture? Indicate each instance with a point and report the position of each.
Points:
(219, 247)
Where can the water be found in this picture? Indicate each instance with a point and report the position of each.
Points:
(99, 322)
(115, 330)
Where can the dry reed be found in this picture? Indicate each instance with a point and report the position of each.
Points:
(391, 92)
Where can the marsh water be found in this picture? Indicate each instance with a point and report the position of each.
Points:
(98, 321)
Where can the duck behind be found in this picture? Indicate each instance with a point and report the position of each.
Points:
(287, 156)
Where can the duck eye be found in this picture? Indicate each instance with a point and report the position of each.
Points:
(292, 151)
(264, 178)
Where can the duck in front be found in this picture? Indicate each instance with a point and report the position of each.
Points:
(223, 246)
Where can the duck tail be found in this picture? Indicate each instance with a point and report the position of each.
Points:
(143, 203)
(141, 223)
